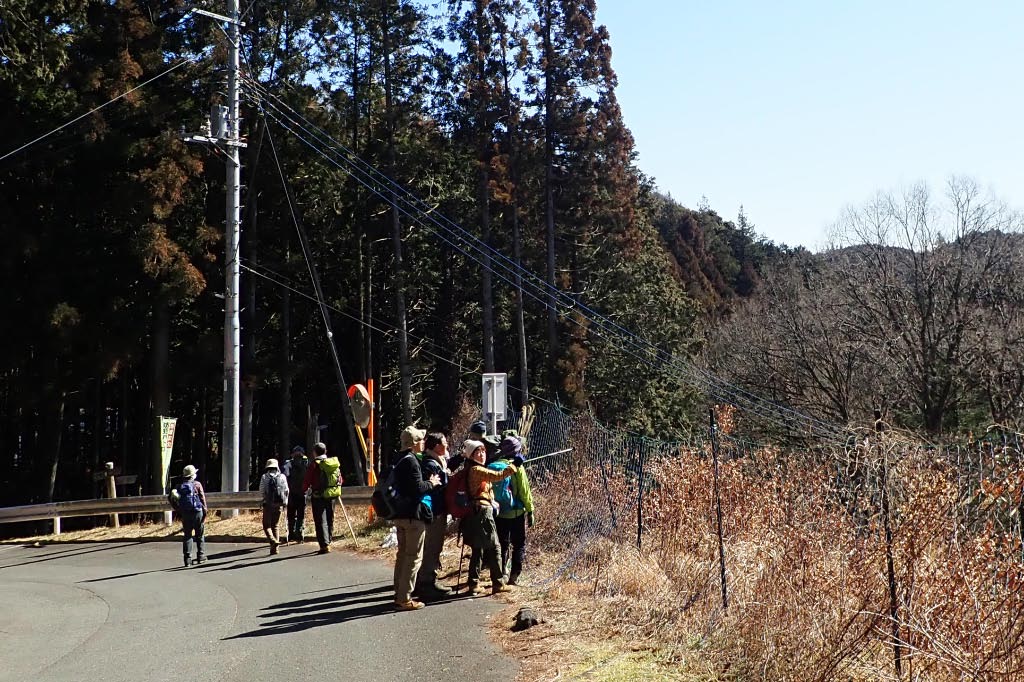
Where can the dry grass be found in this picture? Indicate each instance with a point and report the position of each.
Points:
(807, 579)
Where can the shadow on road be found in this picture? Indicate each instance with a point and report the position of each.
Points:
(67, 553)
(213, 558)
(303, 614)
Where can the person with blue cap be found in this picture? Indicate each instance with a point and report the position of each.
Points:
(478, 432)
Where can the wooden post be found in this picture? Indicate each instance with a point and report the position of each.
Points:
(112, 490)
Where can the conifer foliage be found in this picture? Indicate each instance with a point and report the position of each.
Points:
(500, 115)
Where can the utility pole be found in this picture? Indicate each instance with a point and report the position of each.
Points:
(225, 128)
(232, 233)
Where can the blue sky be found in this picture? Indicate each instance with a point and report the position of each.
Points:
(796, 109)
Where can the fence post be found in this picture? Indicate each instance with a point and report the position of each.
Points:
(894, 613)
(640, 503)
(718, 507)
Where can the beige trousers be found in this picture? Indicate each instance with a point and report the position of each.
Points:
(410, 555)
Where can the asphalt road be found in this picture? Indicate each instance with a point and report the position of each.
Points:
(130, 611)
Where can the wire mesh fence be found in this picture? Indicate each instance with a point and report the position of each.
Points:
(877, 556)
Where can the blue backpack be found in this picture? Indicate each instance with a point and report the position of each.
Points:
(502, 489)
(188, 498)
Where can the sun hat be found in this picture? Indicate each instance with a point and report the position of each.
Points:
(410, 436)
(189, 471)
(271, 463)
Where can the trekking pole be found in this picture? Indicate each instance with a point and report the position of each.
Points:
(462, 555)
(550, 454)
(345, 512)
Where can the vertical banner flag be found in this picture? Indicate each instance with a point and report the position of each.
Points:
(167, 425)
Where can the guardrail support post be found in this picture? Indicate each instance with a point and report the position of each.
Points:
(56, 525)
(112, 491)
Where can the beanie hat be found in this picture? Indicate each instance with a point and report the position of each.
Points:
(299, 449)
(410, 436)
(470, 446)
(510, 447)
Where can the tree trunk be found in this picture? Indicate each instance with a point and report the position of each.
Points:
(285, 425)
(549, 197)
(160, 398)
(55, 429)
(404, 368)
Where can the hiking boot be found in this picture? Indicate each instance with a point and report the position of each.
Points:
(188, 562)
(473, 589)
(324, 549)
(513, 579)
(411, 605)
(273, 548)
(431, 592)
(499, 588)
(200, 559)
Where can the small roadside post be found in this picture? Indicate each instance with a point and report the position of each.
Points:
(109, 473)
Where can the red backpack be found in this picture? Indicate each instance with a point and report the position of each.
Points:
(456, 494)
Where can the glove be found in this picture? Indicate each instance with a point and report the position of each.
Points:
(519, 460)
(529, 519)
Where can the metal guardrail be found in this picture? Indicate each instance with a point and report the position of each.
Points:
(148, 503)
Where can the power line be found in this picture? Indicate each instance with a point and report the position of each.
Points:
(460, 240)
(184, 60)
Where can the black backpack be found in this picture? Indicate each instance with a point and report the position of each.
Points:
(386, 500)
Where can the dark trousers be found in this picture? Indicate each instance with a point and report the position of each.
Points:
(192, 524)
(480, 534)
(296, 516)
(512, 537)
(323, 519)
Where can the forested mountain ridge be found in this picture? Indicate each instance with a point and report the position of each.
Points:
(916, 311)
(718, 261)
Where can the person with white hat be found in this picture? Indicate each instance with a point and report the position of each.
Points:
(191, 506)
(274, 494)
(478, 529)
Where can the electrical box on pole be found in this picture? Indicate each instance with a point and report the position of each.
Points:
(495, 398)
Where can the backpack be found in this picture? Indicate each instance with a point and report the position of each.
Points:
(502, 489)
(386, 500)
(323, 479)
(456, 494)
(188, 498)
(275, 491)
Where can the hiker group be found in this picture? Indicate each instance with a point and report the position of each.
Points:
(285, 487)
(484, 488)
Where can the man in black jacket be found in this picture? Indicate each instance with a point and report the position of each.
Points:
(434, 462)
(294, 471)
(411, 522)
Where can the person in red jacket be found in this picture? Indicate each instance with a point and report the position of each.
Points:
(323, 477)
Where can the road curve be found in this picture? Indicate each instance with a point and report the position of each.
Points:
(130, 611)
